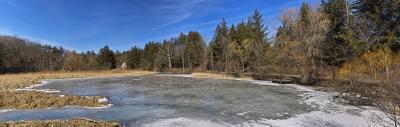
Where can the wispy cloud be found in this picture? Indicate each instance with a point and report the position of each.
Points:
(5, 31)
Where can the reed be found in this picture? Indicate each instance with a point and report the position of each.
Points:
(10, 82)
(34, 100)
(11, 99)
(74, 122)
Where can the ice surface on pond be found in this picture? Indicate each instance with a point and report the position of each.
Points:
(185, 101)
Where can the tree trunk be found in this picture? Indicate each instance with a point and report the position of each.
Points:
(212, 63)
(183, 63)
(226, 64)
(334, 74)
(169, 61)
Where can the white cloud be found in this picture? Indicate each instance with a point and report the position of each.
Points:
(5, 31)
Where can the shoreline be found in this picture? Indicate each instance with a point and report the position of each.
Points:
(326, 106)
(312, 96)
(63, 122)
(13, 96)
(20, 87)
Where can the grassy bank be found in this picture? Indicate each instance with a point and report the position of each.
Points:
(31, 100)
(10, 99)
(75, 122)
(10, 82)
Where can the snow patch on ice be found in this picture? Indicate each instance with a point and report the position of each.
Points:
(242, 113)
(32, 88)
(176, 75)
(6, 110)
(40, 90)
(103, 100)
(100, 107)
(184, 122)
(138, 79)
(264, 83)
(328, 113)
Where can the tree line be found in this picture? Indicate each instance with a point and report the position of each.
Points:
(20, 55)
(309, 41)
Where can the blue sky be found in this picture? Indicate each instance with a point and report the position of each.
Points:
(83, 25)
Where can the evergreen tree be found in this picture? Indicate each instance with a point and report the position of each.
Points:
(195, 49)
(258, 37)
(305, 15)
(134, 58)
(150, 52)
(385, 17)
(106, 58)
(181, 50)
(219, 46)
(1, 55)
(340, 46)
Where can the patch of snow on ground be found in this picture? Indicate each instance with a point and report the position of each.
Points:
(328, 113)
(184, 122)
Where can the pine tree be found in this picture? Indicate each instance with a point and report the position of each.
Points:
(305, 15)
(385, 16)
(220, 45)
(235, 52)
(195, 49)
(1, 55)
(338, 48)
(106, 58)
(258, 36)
(150, 52)
(181, 50)
(134, 59)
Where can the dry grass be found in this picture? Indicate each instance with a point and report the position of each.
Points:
(31, 100)
(75, 122)
(10, 99)
(10, 82)
(211, 75)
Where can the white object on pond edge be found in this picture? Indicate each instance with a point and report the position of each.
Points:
(6, 110)
(100, 107)
(103, 100)
(32, 88)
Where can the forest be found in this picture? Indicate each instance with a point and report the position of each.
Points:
(337, 39)
(309, 42)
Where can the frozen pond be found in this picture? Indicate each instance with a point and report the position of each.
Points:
(181, 100)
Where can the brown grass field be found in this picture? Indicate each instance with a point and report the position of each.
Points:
(31, 100)
(10, 82)
(75, 122)
(11, 99)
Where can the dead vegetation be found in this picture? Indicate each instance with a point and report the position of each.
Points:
(31, 100)
(10, 99)
(75, 122)
(10, 82)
